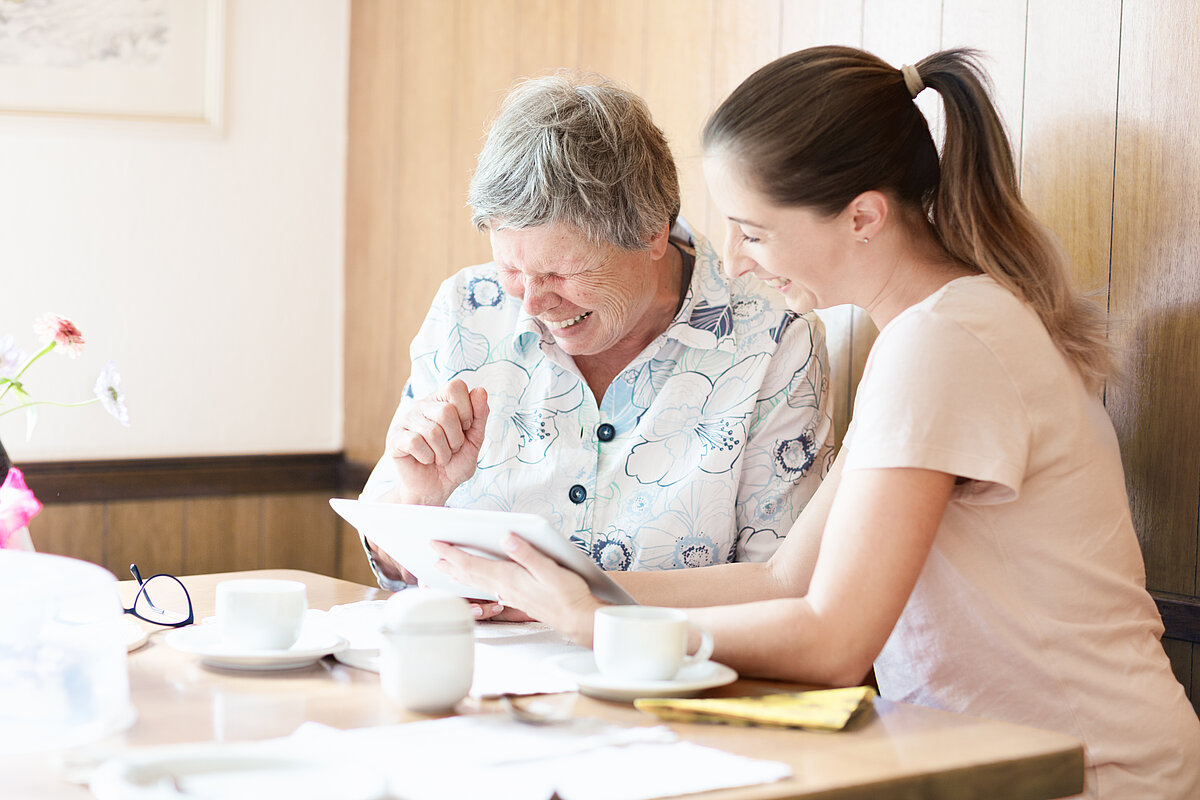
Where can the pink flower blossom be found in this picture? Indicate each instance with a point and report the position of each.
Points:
(17, 505)
(53, 328)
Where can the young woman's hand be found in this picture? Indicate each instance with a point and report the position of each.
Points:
(531, 582)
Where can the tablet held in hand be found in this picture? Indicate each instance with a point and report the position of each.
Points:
(404, 532)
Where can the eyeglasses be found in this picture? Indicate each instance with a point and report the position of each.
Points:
(171, 606)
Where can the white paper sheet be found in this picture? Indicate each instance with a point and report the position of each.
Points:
(494, 756)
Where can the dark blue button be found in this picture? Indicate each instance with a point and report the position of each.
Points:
(577, 494)
(606, 432)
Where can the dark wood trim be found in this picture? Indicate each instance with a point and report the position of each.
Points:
(1180, 614)
(353, 475)
(144, 478)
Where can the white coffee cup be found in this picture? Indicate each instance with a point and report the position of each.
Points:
(645, 643)
(260, 614)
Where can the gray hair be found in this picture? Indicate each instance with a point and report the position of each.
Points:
(577, 150)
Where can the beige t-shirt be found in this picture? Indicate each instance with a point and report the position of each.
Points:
(1032, 605)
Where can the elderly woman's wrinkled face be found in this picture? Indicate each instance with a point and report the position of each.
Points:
(592, 298)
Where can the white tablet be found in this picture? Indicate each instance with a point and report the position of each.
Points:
(404, 533)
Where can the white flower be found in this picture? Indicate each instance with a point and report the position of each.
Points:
(108, 389)
(10, 357)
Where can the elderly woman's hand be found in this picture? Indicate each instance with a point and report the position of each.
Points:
(435, 445)
(530, 582)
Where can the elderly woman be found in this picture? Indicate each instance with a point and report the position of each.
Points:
(602, 371)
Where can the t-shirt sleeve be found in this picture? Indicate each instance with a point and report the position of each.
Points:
(934, 396)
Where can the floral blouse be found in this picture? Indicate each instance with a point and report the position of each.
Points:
(703, 450)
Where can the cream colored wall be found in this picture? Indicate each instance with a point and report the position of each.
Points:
(206, 263)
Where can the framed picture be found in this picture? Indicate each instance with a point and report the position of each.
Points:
(138, 59)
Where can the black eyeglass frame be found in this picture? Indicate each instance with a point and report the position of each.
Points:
(142, 593)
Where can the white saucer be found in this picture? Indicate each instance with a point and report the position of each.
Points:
(231, 771)
(689, 681)
(133, 633)
(362, 658)
(205, 641)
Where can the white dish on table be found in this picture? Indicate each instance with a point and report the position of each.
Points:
(133, 633)
(205, 641)
(360, 658)
(690, 680)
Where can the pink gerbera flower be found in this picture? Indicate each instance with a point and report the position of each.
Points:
(53, 328)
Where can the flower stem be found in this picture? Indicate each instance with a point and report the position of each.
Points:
(28, 364)
(49, 403)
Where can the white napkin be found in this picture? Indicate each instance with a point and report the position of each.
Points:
(494, 756)
(521, 666)
(357, 623)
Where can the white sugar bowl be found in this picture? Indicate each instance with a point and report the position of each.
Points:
(427, 659)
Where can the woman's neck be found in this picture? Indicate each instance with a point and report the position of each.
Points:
(907, 269)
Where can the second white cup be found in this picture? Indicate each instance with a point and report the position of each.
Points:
(260, 614)
(427, 660)
(645, 643)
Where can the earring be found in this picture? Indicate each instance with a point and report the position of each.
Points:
(864, 240)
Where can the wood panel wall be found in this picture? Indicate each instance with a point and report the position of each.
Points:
(1099, 97)
(187, 536)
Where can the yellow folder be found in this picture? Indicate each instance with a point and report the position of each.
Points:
(820, 709)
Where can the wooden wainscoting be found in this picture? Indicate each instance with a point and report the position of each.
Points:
(193, 515)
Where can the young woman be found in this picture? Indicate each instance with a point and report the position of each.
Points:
(973, 539)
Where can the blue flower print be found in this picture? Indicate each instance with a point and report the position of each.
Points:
(702, 510)
(464, 350)
(748, 307)
(757, 544)
(516, 427)
(633, 391)
(613, 551)
(482, 292)
(650, 379)
(808, 385)
(793, 457)
(718, 320)
(638, 505)
(503, 491)
(695, 551)
(784, 324)
(696, 426)
(767, 508)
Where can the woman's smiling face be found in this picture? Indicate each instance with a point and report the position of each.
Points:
(591, 297)
(791, 249)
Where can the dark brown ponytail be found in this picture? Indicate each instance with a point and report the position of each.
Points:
(818, 127)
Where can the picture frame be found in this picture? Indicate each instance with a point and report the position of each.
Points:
(159, 60)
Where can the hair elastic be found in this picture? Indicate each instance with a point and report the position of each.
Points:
(912, 80)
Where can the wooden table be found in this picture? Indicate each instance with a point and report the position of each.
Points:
(899, 751)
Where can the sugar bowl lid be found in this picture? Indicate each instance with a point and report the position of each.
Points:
(427, 610)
